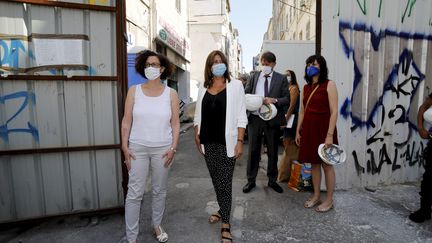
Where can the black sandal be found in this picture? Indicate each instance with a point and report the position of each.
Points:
(215, 215)
(224, 238)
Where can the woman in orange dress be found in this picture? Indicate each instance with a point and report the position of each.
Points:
(316, 125)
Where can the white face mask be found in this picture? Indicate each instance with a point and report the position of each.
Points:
(152, 73)
(266, 70)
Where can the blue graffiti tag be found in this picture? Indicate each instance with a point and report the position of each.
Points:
(11, 54)
(405, 58)
(402, 80)
(4, 130)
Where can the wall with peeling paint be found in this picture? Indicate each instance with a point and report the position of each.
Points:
(380, 54)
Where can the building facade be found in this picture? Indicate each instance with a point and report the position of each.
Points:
(138, 23)
(162, 27)
(292, 20)
(210, 29)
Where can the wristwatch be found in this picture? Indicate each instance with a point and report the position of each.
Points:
(174, 150)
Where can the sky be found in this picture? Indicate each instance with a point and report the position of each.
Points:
(251, 18)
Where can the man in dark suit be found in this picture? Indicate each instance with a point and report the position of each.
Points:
(273, 86)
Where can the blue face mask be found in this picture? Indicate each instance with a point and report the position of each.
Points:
(219, 69)
(312, 71)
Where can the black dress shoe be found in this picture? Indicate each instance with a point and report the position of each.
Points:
(420, 216)
(275, 187)
(248, 187)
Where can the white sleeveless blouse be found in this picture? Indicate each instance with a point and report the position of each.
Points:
(151, 124)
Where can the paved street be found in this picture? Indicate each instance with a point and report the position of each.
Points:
(260, 216)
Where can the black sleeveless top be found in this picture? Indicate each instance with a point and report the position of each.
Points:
(213, 114)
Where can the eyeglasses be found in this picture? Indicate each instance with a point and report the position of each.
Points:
(154, 65)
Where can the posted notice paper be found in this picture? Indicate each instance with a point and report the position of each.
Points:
(290, 121)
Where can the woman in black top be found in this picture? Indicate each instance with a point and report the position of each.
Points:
(220, 121)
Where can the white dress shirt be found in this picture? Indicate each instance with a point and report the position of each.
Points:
(260, 86)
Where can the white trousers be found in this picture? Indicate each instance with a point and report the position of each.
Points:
(146, 158)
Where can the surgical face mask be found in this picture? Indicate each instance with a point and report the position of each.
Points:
(152, 73)
(219, 69)
(312, 71)
(266, 70)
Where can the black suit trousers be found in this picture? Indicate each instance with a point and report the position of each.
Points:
(256, 128)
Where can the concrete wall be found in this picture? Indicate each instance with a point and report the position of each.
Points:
(379, 54)
(290, 55)
(208, 38)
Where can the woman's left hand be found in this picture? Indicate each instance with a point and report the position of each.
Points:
(328, 142)
(238, 150)
(169, 156)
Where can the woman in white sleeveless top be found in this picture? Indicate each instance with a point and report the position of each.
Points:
(150, 133)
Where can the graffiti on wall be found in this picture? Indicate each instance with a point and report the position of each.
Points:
(5, 129)
(363, 6)
(10, 52)
(390, 132)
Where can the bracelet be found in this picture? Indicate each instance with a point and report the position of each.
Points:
(240, 140)
(331, 134)
(173, 149)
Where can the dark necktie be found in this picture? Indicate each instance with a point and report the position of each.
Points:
(266, 85)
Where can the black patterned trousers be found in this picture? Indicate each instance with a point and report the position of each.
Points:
(221, 169)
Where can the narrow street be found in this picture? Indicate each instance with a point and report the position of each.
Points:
(260, 216)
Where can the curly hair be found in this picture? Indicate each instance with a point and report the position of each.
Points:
(141, 59)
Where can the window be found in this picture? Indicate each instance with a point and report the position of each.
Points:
(308, 30)
(178, 5)
(161, 48)
(302, 4)
(301, 35)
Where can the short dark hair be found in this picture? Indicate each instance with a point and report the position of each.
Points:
(141, 59)
(208, 75)
(268, 56)
(323, 75)
(293, 77)
(243, 77)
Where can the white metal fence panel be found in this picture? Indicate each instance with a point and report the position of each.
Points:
(56, 183)
(44, 114)
(378, 53)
